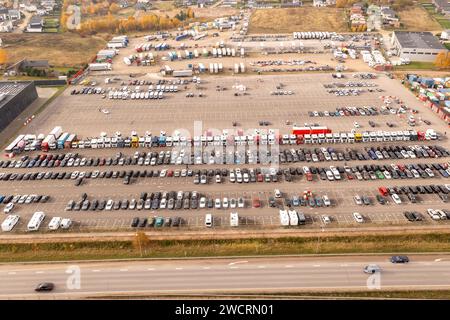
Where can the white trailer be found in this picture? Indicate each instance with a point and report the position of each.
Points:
(36, 221)
(293, 218)
(236, 68)
(10, 222)
(284, 218)
(100, 66)
(234, 219)
(242, 67)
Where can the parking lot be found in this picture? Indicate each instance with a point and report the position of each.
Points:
(81, 114)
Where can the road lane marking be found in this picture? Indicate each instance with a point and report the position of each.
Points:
(123, 270)
(261, 267)
(151, 269)
(344, 265)
(288, 266)
(96, 270)
(11, 273)
(39, 272)
(316, 265)
(437, 260)
(234, 267)
(233, 263)
(206, 268)
(178, 268)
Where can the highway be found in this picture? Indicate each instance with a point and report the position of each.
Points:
(208, 276)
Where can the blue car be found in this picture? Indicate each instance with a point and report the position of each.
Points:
(2, 198)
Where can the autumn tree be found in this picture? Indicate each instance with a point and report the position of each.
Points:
(443, 60)
(141, 242)
(3, 57)
(114, 8)
(341, 3)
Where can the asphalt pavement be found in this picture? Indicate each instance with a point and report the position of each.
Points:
(207, 276)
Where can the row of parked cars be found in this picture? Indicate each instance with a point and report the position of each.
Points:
(412, 191)
(216, 157)
(438, 214)
(156, 222)
(373, 153)
(23, 198)
(170, 200)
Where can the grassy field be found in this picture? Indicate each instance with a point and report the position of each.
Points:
(62, 50)
(417, 18)
(64, 251)
(417, 65)
(298, 19)
(439, 18)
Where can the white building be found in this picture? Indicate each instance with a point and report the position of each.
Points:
(416, 46)
(445, 35)
(6, 26)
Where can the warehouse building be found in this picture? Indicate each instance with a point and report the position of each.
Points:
(416, 46)
(15, 97)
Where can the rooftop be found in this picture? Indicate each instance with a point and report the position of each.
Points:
(10, 89)
(418, 40)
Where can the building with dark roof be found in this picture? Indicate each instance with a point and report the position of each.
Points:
(416, 46)
(15, 97)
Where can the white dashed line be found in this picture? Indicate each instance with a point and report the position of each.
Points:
(10, 273)
(150, 269)
(39, 272)
(234, 267)
(261, 267)
(288, 266)
(206, 268)
(178, 268)
(95, 270)
(123, 270)
(316, 265)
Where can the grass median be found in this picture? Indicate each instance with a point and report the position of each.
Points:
(143, 247)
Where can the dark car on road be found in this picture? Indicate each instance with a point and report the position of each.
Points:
(45, 286)
(399, 259)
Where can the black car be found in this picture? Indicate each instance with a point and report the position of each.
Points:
(135, 222)
(399, 259)
(45, 286)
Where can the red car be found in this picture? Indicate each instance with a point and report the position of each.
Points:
(260, 177)
(309, 176)
(256, 203)
(170, 173)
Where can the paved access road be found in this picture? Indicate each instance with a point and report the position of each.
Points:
(225, 275)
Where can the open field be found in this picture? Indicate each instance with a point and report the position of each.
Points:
(417, 18)
(98, 250)
(65, 49)
(298, 19)
(442, 20)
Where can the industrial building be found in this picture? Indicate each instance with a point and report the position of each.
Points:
(15, 97)
(416, 46)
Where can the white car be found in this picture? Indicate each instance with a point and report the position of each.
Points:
(358, 200)
(109, 204)
(202, 203)
(358, 217)
(356, 124)
(9, 207)
(218, 178)
(163, 203)
(441, 214)
(433, 214)
(326, 219)
(277, 193)
(233, 203)
(163, 173)
(387, 175)
(217, 204)
(326, 201)
(225, 203)
(396, 198)
(241, 203)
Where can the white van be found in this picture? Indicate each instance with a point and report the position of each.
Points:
(54, 223)
(66, 223)
(293, 218)
(35, 221)
(10, 222)
(284, 218)
(208, 220)
(234, 219)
